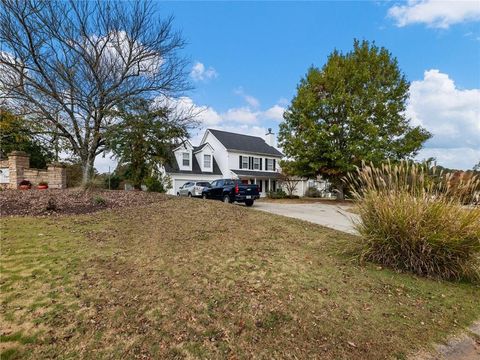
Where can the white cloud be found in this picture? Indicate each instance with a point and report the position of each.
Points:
(201, 73)
(275, 113)
(451, 114)
(250, 100)
(242, 115)
(456, 158)
(435, 13)
(246, 115)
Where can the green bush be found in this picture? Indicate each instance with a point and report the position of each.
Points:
(278, 194)
(98, 200)
(154, 184)
(313, 192)
(413, 221)
(113, 182)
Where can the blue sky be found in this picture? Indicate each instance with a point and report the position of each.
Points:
(248, 57)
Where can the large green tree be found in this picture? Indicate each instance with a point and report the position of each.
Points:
(351, 110)
(143, 136)
(17, 135)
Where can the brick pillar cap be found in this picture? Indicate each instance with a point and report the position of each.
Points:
(18, 153)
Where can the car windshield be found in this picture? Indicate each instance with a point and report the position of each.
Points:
(203, 183)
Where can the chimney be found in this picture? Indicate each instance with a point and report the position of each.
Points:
(270, 137)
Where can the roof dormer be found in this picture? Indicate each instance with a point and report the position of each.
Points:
(204, 156)
(184, 156)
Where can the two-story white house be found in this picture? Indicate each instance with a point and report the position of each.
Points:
(226, 155)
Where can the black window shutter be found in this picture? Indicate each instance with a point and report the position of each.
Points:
(250, 162)
(261, 163)
(274, 163)
(240, 164)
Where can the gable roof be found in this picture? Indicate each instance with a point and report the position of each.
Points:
(184, 144)
(173, 168)
(244, 143)
(200, 148)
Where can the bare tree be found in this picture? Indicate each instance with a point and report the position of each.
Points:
(290, 182)
(68, 64)
(288, 177)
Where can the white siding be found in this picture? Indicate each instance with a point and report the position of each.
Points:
(234, 160)
(207, 150)
(179, 156)
(221, 154)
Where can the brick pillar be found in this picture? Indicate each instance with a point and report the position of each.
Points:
(57, 176)
(17, 162)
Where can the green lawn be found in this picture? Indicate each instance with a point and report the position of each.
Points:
(186, 278)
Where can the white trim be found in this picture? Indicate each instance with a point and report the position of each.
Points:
(203, 148)
(182, 145)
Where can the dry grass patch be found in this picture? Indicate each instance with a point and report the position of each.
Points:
(187, 278)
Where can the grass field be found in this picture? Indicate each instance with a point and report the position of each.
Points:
(186, 278)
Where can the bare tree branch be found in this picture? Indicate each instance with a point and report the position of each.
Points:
(69, 63)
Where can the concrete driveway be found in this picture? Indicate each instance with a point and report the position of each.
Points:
(333, 216)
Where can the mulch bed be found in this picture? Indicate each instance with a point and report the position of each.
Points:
(70, 201)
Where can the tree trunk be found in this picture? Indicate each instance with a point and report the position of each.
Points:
(87, 169)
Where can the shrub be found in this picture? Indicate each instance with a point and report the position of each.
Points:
(43, 183)
(74, 174)
(98, 200)
(313, 192)
(51, 205)
(412, 219)
(25, 183)
(113, 182)
(279, 194)
(154, 184)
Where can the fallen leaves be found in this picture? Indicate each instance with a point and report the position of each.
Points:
(70, 201)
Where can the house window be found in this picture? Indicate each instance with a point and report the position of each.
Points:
(207, 161)
(269, 164)
(186, 159)
(256, 163)
(245, 162)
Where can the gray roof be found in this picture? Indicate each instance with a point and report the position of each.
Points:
(245, 143)
(174, 169)
(267, 174)
(198, 148)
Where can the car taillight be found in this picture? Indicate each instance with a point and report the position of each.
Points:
(237, 190)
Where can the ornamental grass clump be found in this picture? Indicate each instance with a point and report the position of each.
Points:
(415, 218)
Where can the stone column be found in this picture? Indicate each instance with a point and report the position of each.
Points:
(57, 176)
(18, 161)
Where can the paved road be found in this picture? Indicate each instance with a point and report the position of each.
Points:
(332, 216)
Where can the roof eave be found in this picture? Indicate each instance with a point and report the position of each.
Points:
(280, 155)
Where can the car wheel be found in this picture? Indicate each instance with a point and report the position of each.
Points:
(249, 202)
(226, 199)
(189, 194)
(178, 194)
